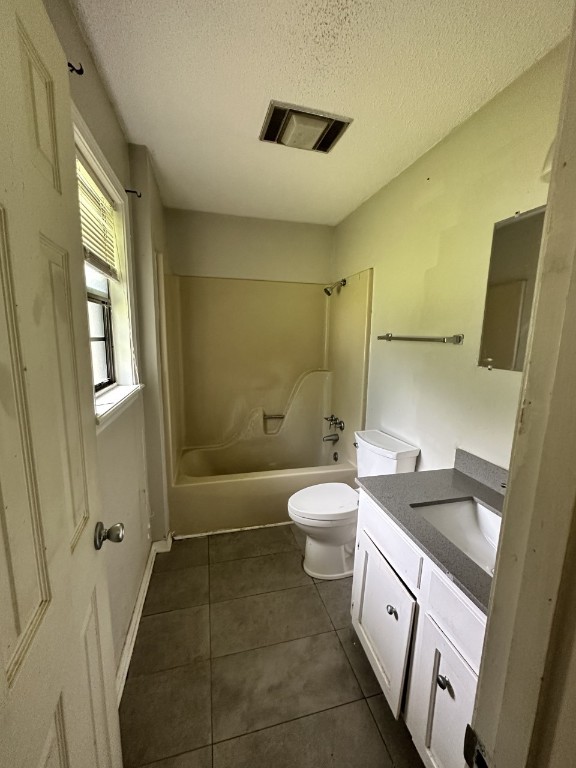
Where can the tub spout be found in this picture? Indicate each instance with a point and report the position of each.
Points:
(331, 438)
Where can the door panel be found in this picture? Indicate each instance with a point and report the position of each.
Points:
(382, 614)
(66, 406)
(57, 697)
(24, 583)
(449, 708)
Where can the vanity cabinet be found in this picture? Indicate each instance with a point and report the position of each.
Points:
(415, 624)
(383, 616)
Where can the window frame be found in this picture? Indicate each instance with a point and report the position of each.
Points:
(122, 314)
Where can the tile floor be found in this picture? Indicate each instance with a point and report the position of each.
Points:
(243, 661)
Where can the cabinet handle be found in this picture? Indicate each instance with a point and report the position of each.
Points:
(391, 611)
(442, 682)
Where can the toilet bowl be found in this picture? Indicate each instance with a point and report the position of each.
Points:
(327, 513)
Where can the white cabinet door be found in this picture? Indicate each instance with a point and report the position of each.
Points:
(57, 694)
(446, 692)
(382, 615)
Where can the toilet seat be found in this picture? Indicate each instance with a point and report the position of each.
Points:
(325, 502)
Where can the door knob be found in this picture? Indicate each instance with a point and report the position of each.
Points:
(442, 682)
(391, 611)
(115, 533)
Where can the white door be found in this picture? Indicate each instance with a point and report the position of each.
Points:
(57, 699)
(382, 615)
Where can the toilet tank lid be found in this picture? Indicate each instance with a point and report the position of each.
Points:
(386, 445)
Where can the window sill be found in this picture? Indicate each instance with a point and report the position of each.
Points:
(110, 403)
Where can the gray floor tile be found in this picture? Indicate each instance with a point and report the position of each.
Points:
(200, 758)
(177, 589)
(395, 734)
(255, 575)
(344, 737)
(171, 639)
(260, 541)
(184, 554)
(337, 597)
(252, 622)
(360, 664)
(165, 714)
(300, 537)
(268, 686)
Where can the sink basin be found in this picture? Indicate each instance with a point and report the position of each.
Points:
(468, 524)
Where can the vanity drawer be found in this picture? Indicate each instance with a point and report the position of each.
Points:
(397, 548)
(458, 618)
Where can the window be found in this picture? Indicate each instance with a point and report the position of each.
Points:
(104, 212)
(101, 255)
(100, 326)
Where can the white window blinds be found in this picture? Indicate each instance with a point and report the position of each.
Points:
(98, 226)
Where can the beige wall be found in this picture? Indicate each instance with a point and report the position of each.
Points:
(244, 345)
(88, 91)
(214, 245)
(123, 496)
(428, 236)
(349, 338)
(121, 457)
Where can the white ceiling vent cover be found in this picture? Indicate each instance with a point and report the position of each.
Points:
(302, 128)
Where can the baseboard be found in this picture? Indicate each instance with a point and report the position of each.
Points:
(157, 546)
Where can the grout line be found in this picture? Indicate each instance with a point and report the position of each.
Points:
(173, 610)
(373, 716)
(324, 604)
(271, 645)
(254, 594)
(169, 669)
(227, 600)
(350, 663)
(255, 557)
(259, 594)
(173, 757)
(290, 720)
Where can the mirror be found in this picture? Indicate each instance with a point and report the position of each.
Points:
(510, 291)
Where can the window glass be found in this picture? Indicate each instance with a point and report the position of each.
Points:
(96, 282)
(99, 363)
(96, 319)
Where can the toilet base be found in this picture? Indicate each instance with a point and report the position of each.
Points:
(328, 561)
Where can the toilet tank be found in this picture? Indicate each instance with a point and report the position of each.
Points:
(381, 454)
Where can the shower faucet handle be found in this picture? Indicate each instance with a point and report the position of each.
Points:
(334, 421)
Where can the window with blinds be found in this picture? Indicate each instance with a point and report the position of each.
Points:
(97, 218)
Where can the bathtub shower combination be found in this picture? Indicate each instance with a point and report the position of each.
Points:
(251, 477)
(247, 479)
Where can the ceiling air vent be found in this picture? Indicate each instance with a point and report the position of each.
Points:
(302, 128)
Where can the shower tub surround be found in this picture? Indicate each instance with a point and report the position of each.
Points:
(248, 383)
(247, 481)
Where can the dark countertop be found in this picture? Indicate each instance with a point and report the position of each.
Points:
(395, 494)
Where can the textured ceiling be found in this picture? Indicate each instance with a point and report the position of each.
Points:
(192, 80)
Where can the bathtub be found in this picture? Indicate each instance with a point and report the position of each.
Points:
(226, 502)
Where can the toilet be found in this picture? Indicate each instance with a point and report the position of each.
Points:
(327, 513)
